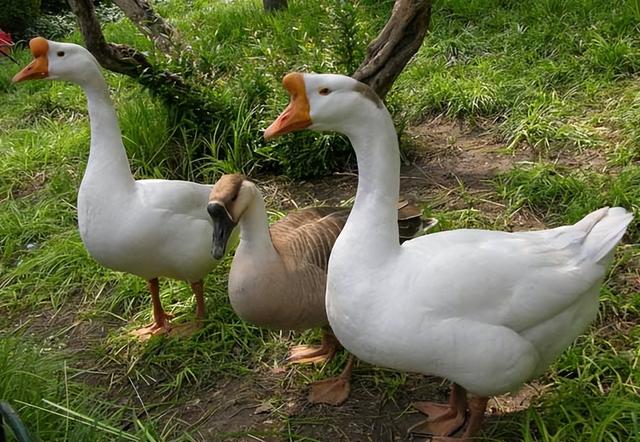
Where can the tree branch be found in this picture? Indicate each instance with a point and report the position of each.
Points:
(170, 87)
(140, 12)
(117, 58)
(393, 48)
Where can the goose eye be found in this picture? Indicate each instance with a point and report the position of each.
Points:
(60, 53)
(324, 91)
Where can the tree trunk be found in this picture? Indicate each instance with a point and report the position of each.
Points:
(116, 58)
(149, 23)
(170, 87)
(398, 41)
(274, 5)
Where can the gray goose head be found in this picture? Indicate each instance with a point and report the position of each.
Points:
(230, 197)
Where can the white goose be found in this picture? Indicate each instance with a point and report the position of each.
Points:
(150, 228)
(487, 310)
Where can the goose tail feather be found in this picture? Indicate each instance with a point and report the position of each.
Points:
(604, 229)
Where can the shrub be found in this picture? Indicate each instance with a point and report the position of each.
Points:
(306, 154)
(16, 16)
(52, 27)
(55, 6)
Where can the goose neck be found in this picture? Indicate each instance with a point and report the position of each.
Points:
(107, 156)
(374, 212)
(254, 228)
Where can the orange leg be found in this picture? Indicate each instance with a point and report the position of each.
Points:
(333, 391)
(188, 329)
(477, 407)
(198, 290)
(161, 319)
(306, 354)
(444, 419)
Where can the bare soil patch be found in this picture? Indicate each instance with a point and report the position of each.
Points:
(270, 406)
(447, 154)
(30, 186)
(64, 327)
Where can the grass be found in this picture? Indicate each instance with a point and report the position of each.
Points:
(53, 405)
(551, 73)
(555, 77)
(564, 196)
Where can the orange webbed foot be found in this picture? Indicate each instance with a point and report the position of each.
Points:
(155, 328)
(443, 419)
(440, 426)
(310, 354)
(187, 329)
(435, 411)
(333, 391)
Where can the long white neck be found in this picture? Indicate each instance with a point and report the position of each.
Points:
(107, 157)
(374, 217)
(254, 230)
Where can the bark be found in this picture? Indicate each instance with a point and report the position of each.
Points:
(274, 5)
(116, 58)
(141, 13)
(396, 44)
(170, 87)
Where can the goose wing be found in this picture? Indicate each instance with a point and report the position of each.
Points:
(307, 236)
(515, 279)
(181, 198)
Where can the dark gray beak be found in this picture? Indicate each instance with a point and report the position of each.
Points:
(223, 225)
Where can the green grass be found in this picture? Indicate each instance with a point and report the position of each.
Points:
(564, 196)
(551, 72)
(559, 77)
(41, 388)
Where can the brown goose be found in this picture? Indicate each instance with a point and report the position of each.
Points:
(279, 272)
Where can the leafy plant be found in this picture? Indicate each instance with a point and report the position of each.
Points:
(16, 16)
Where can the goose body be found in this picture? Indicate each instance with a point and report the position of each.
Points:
(478, 303)
(137, 230)
(279, 272)
(149, 228)
(487, 310)
(285, 289)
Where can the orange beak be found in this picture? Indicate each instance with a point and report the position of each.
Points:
(39, 67)
(296, 115)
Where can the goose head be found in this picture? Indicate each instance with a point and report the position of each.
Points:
(229, 199)
(324, 102)
(58, 61)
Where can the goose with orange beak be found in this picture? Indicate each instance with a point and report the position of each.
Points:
(488, 310)
(150, 228)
